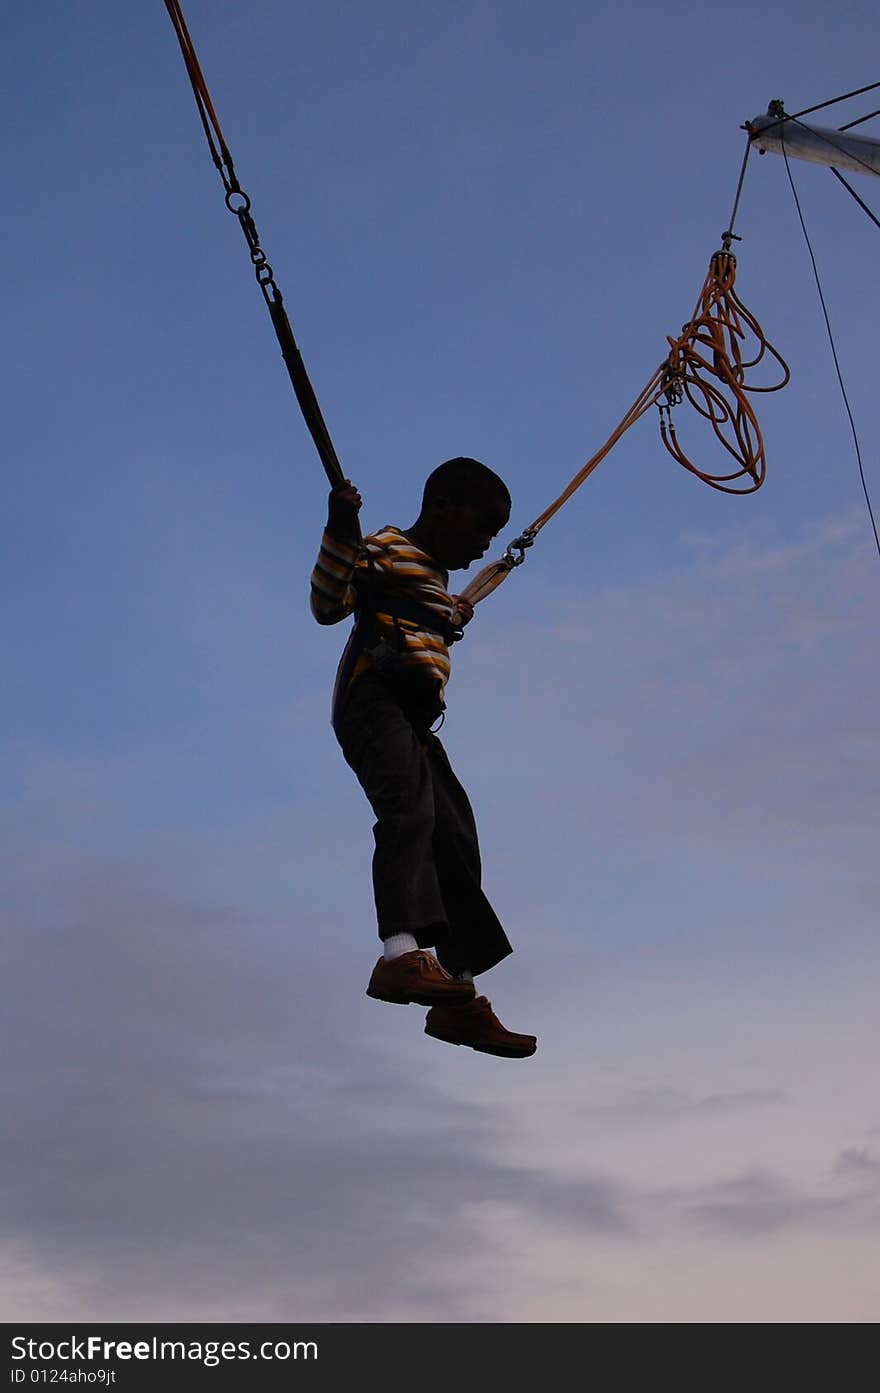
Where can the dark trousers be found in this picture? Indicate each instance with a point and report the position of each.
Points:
(426, 863)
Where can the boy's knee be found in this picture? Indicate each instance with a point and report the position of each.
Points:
(405, 823)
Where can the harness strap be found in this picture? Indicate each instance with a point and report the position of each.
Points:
(239, 203)
(373, 599)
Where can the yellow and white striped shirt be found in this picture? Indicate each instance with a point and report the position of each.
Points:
(399, 568)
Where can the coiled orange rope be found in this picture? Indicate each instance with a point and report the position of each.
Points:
(707, 365)
(711, 347)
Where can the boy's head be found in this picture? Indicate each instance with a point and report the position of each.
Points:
(464, 506)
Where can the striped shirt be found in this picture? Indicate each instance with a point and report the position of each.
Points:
(400, 567)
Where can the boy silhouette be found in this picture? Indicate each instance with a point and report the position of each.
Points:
(389, 692)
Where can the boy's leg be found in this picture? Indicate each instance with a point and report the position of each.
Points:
(476, 940)
(383, 750)
(387, 756)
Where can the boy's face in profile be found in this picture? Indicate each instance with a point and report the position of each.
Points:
(462, 532)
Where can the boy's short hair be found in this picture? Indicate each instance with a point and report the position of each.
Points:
(463, 480)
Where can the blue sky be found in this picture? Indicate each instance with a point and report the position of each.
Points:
(485, 219)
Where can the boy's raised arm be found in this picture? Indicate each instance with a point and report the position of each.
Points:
(332, 593)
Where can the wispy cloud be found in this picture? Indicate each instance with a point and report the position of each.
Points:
(757, 1204)
(857, 1161)
(667, 1104)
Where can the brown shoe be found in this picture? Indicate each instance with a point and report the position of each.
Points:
(417, 977)
(476, 1024)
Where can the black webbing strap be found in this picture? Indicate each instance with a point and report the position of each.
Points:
(238, 202)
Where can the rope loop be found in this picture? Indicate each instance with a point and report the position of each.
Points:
(707, 365)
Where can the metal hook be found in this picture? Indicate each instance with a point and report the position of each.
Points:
(520, 543)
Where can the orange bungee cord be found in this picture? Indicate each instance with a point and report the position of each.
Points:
(706, 365)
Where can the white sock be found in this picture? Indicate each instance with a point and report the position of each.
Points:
(395, 945)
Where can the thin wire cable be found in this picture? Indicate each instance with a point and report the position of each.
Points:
(849, 188)
(820, 135)
(820, 107)
(729, 236)
(852, 423)
(834, 100)
(860, 120)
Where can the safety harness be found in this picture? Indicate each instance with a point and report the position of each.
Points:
(369, 638)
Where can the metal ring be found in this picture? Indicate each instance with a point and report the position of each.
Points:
(243, 207)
